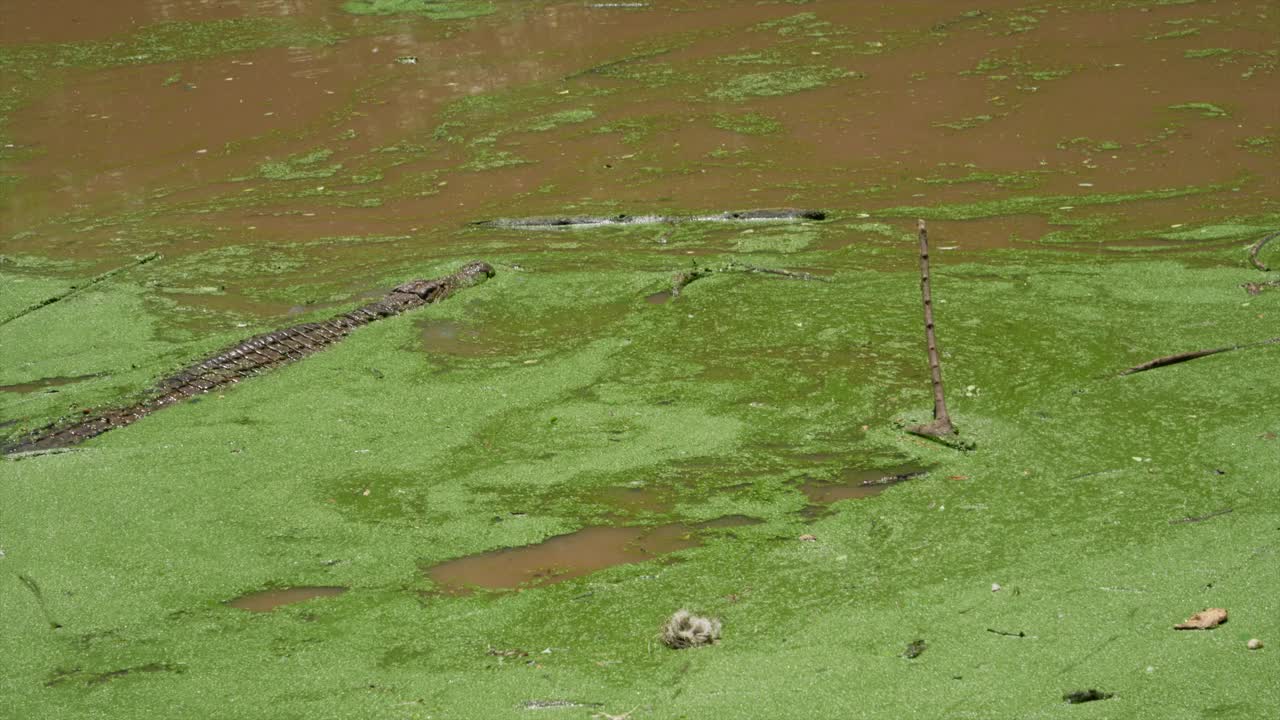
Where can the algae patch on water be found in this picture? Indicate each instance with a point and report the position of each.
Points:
(779, 82)
(432, 9)
(746, 123)
(308, 166)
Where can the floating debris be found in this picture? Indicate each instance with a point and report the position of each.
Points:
(915, 649)
(1206, 619)
(686, 630)
(1084, 696)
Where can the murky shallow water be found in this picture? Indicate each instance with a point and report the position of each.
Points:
(853, 484)
(268, 600)
(569, 556)
(570, 104)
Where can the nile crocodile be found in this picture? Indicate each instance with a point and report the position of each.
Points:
(251, 357)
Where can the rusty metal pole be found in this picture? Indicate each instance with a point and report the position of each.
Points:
(941, 425)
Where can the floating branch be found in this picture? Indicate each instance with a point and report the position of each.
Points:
(1257, 248)
(251, 357)
(1193, 355)
(143, 260)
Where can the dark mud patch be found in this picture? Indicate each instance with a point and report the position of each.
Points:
(853, 484)
(268, 600)
(44, 384)
(564, 557)
(659, 298)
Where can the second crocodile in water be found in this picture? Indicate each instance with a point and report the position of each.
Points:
(775, 215)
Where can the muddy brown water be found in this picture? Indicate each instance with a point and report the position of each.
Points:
(201, 153)
(1045, 94)
(564, 557)
(853, 484)
(268, 600)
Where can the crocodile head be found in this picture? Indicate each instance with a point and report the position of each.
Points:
(473, 273)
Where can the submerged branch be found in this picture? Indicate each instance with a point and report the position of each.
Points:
(681, 280)
(1257, 248)
(139, 262)
(1257, 288)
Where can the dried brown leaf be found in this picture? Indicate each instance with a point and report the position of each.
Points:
(1204, 620)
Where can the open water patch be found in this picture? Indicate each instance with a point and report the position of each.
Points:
(853, 484)
(564, 557)
(446, 337)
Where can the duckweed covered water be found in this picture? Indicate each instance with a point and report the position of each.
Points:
(1092, 172)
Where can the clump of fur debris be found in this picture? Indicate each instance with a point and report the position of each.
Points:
(686, 630)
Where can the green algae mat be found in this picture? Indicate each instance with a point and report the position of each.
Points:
(488, 507)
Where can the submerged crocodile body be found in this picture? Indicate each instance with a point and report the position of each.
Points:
(253, 356)
(594, 220)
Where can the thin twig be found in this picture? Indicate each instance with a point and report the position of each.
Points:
(1091, 474)
(1007, 634)
(80, 288)
(1201, 518)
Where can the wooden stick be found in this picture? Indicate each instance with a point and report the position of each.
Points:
(1193, 355)
(941, 425)
(681, 280)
